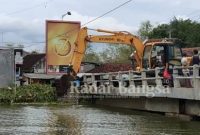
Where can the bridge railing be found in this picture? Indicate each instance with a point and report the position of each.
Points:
(146, 77)
(123, 79)
(151, 77)
(191, 77)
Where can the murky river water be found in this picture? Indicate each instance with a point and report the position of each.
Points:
(87, 120)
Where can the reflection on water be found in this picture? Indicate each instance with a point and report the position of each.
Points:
(85, 120)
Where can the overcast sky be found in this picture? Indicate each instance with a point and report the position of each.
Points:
(23, 21)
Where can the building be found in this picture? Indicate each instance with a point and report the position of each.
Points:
(34, 63)
(34, 69)
(11, 63)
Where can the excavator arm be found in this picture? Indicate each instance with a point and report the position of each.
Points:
(124, 38)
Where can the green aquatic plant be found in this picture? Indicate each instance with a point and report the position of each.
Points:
(28, 93)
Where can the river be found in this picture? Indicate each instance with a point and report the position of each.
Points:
(89, 120)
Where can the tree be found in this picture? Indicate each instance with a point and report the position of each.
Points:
(90, 55)
(35, 51)
(113, 53)
(145, 30)
(161, 31)
(116, 54)
(108, 55)
(124, 53)
(184, 29)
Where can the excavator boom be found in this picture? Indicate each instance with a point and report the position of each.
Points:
(124, 38)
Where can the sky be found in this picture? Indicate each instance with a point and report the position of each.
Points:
(23, 21)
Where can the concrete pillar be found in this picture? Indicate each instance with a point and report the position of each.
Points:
(85, 79)
(196, 82)
(92, 78)
(131, 82)
(176, 81)
(120, 81)
(94, 87)
(144, 81)
(158, 80)
(110, 79)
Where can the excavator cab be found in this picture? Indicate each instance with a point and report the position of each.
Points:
(157, 53)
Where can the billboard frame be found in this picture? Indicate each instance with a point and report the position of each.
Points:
(46, 37)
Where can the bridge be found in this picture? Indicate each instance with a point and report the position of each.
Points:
(146, 90)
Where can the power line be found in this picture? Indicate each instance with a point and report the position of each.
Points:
(31, 45)
(30, 8)
(22, 43)
(193, 12)
(25, 9)
(107, 12)
(188, 15)
(119, 6)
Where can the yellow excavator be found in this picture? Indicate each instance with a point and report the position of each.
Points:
(147, 55)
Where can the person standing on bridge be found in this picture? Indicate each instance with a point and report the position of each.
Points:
(195, 58)
(185, 70)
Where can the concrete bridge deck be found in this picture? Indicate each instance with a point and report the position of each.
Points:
(135, 90)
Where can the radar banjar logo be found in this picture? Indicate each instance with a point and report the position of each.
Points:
(62, 46)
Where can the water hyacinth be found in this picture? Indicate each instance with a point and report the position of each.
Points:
(28, 93)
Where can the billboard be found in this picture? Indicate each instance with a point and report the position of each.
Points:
(60, 39)
(7, 72)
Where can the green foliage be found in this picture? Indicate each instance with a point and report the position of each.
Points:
(35, 93)
(161, 31)
(108, 55)
(111, 54)
(186, 30)
(28, 93)
(145, 30)
(6, 95)
(116, 54)
(91, 55)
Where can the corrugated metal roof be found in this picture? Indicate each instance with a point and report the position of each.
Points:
(41, 76)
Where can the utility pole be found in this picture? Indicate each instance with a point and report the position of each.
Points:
(170, 33)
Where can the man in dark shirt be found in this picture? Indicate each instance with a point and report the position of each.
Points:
(195, 58)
